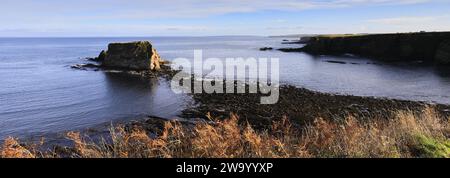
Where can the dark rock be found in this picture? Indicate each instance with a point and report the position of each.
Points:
(85, 66)
(443, 53)
(101, 57)
(138, 55)
(336, 62)
(301, 106)
(266, 49)
(431, 47)
(291, 49)
(94, 59)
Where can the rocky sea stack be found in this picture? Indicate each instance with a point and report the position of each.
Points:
(139, 55)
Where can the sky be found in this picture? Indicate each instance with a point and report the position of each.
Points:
(92, 18)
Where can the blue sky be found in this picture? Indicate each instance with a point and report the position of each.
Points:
(71, 18)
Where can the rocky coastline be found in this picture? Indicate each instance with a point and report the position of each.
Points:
(427, 47)
(298, 104)
(302, 106)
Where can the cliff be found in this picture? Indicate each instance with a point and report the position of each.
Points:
(432, 47)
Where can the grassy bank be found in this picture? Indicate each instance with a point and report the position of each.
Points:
(407, 135)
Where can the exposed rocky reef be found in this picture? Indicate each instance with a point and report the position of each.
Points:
(301, 106)
(429, 47)
(266, 49)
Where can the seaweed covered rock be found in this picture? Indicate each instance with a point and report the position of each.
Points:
(139, 55)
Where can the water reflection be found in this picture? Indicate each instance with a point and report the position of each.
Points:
(133, 95)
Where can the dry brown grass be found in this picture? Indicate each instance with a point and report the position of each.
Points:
(12, 149)
(408, 135)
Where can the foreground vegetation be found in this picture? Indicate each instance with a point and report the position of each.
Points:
(408, 135)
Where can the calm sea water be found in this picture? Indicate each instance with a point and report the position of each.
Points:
(40, 93)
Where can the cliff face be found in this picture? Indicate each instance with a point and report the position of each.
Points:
(443, 53)
(427, 47)
(138, 55)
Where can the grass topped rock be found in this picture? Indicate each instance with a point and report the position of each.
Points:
(139, 55)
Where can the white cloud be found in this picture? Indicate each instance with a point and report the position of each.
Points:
(204, 8)
(149, 9)
(404, 21)
(411, 23)
(142, 17)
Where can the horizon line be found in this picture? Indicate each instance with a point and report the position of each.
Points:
(175, 36)
(134, 36)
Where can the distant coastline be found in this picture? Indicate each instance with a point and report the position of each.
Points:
(426, 47)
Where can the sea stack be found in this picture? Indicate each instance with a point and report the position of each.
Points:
(138, 55)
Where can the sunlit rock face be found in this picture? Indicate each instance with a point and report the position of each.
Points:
(155, 60)
(139, 55)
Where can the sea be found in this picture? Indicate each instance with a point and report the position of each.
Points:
(41, 94)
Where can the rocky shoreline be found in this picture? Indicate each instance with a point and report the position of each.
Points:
(298, 104)
(302, 106)
(427, 47)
